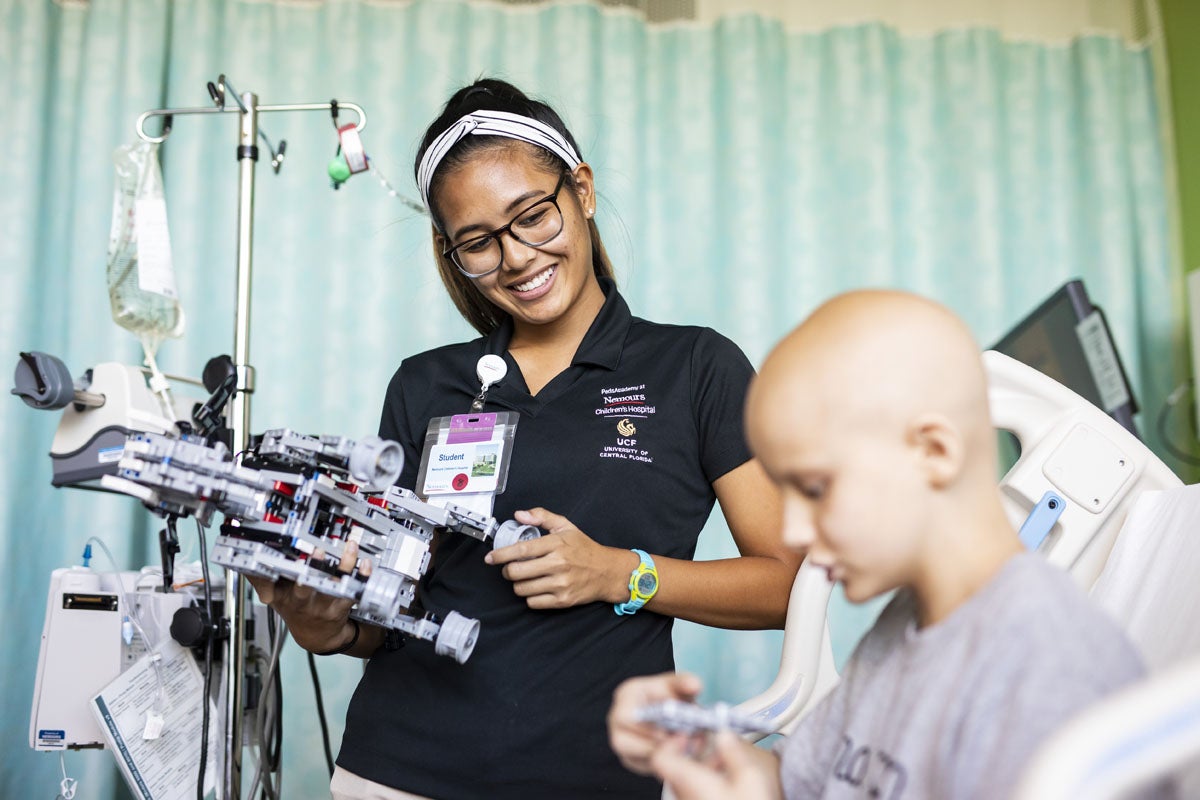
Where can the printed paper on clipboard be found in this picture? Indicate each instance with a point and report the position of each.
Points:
(166, 767)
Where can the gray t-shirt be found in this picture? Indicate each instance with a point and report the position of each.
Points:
(956, 710)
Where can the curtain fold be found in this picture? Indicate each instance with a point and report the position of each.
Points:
(746, 173)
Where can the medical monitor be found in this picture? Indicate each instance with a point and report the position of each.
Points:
(1067, 338)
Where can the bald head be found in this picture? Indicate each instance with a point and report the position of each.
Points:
(877, 361)
(872, 419)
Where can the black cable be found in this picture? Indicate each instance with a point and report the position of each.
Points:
(270, 733)
(1172, 400)
(272, 742)
(266, 773)
(276, 753)
(270, 771)
(208, 659)
(267, 791)
(312, 668)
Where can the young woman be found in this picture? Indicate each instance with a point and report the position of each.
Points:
(628, 433)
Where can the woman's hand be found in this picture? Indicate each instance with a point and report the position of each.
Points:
(633, 741)
(316, 621)
(565, 567)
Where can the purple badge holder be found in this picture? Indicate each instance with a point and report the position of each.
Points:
(465, 459)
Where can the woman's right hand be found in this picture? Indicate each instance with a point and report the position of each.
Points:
(634, 741)
(317, 622)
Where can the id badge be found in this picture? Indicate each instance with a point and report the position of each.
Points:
(465, 459)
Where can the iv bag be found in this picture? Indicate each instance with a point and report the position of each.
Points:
(141, 279)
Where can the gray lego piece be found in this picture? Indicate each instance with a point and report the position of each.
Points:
(677, 716)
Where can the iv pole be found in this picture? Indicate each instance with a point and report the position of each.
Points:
(248, 110)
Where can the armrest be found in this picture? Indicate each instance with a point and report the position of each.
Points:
(806, 669)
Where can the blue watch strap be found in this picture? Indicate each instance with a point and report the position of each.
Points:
(637, 600)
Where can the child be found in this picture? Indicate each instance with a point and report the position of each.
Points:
(872, 418)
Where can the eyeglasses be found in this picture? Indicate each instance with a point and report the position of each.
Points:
(533, 227)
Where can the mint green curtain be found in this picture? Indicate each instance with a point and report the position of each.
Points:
(746, 174)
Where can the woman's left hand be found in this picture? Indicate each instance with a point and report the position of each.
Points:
(565, 567)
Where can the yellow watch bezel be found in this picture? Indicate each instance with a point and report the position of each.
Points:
(636, 599)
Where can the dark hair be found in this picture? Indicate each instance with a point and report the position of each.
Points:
(492, 95)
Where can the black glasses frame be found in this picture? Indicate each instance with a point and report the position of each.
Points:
(452, 253)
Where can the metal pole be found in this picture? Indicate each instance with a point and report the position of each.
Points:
(235, 589)
(236, 592)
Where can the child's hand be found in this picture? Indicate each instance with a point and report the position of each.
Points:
(735, 768)
(633, 741)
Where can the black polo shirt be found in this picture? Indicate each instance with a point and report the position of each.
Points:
(625, 443)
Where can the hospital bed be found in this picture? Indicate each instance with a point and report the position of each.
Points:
(1124, 742)
(1071, 490)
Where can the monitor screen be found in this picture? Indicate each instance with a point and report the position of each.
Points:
(1067, 338)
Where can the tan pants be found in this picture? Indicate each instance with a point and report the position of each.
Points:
(348, 786)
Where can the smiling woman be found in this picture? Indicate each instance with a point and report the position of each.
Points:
(633, 430)
(492, 142)
(541, 277)
(533, 226)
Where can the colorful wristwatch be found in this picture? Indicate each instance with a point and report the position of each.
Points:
(643, 583)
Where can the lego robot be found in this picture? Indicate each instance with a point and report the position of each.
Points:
(292, 505)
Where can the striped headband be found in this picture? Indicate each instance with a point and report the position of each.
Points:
(492, 123)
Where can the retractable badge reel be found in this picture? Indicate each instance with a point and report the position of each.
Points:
(466, 456)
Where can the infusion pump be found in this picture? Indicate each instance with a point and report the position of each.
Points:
(94, 630)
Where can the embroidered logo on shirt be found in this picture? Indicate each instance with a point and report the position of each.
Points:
(625, 401)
